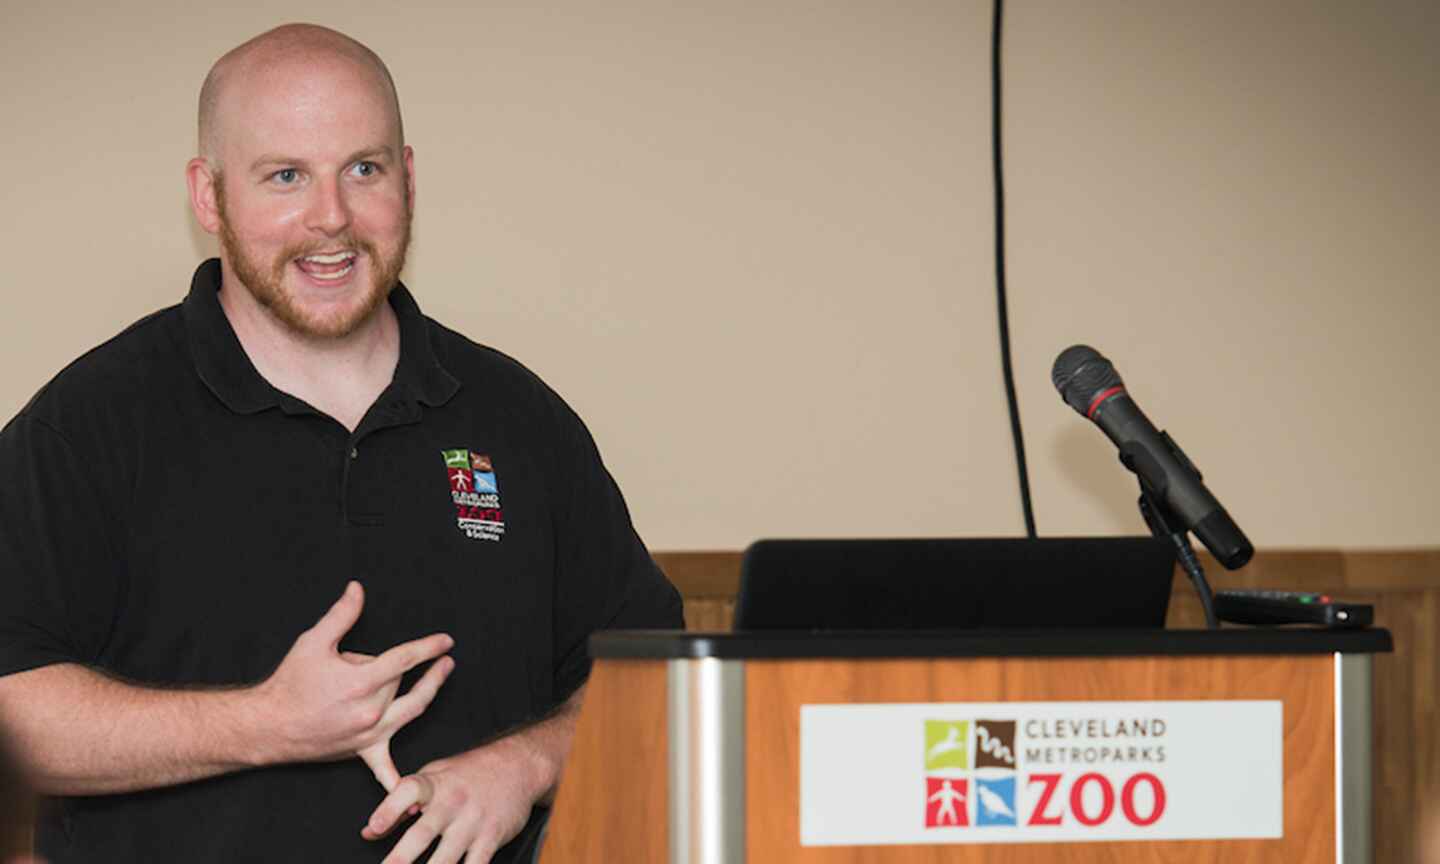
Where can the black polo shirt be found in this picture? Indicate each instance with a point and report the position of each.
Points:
(168, 516)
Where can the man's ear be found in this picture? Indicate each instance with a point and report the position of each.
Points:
(409, 156)
(201, 178)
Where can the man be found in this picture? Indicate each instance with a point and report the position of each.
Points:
(183, 505)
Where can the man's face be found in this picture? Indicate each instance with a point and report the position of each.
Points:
(314, 200)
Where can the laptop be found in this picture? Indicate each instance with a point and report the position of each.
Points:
(954, 584)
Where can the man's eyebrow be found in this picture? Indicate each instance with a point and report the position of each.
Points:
(274, 159)
(382, 152)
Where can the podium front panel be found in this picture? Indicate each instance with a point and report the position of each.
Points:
(776, 691)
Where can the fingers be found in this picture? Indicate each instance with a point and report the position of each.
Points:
(452, 846)
(382, 765)
(413, 791)
(414, 843)
(407, 655)
(398, 713)
(338, 620)
(481, 851)
(455, 837)
(419, 696)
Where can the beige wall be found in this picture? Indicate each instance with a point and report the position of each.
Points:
(751, 242)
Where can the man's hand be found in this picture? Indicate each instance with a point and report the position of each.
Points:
(324, 705)
(377, 755)
(477, 801)
(474, 802)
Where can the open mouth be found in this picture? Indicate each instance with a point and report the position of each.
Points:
(327, 267)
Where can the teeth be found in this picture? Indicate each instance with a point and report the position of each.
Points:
(336, 258)
(336, 275)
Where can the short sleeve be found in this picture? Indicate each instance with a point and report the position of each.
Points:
(59, 573)
(605, 580)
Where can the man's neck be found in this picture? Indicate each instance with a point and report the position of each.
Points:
(341, 377)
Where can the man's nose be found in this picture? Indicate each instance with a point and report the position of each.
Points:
(329, 210)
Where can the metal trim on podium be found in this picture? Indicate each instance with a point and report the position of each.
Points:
(1354, 842)
(706, 761)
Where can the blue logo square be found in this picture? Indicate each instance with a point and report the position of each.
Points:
(995, 801)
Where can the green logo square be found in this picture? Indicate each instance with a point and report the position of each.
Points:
(947, 744)
(456, 458)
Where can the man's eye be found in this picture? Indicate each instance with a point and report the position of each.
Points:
(286, 175)
(366, 169)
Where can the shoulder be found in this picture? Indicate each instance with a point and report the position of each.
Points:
(487, 373)
(495, 388)
(125, 373)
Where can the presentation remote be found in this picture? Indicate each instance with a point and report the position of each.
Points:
(1270, 608)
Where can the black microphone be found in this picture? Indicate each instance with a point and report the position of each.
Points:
(1089, 384)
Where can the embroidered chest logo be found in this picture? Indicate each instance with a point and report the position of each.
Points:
(476, 494)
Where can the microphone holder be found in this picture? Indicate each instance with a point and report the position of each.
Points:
(1164, 523)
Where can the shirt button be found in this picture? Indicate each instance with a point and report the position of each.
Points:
(354, 452)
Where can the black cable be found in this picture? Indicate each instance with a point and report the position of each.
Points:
(1000, 272)
(1185, 554)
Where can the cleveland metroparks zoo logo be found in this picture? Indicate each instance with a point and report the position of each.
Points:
(475, 490)
(970, 769)
(976, 776)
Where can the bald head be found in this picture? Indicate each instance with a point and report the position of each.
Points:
(291, 49)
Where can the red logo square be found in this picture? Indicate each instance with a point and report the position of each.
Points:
(947, 802)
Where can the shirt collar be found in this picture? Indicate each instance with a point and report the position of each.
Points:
(222, 364)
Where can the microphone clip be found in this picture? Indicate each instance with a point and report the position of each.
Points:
(1164, 522)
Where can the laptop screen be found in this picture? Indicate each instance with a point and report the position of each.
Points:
(955, 584)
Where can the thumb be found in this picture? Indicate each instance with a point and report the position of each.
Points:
(340, 617)
(377, 756)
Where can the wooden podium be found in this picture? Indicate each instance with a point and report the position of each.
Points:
(689, 745)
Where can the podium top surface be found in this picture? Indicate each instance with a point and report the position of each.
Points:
(775, 645)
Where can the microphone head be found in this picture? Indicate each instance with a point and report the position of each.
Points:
(1080, 374)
